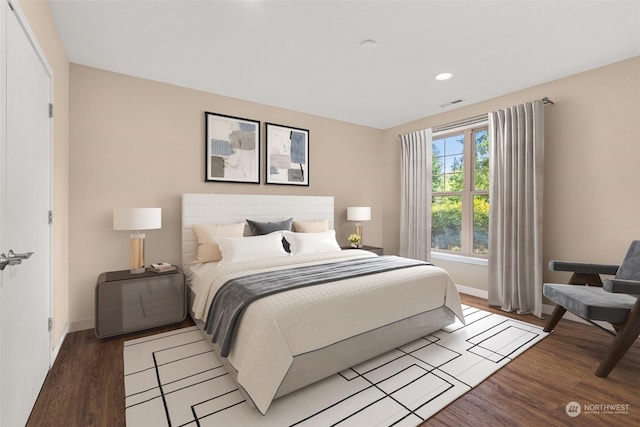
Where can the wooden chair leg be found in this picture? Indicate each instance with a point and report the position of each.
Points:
(557, 314)
(589, 279)
(625, 338)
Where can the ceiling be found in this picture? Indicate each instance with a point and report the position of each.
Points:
(307, 55)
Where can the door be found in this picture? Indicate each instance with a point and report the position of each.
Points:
(25, 196)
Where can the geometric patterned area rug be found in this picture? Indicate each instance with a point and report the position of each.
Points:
(174, 379)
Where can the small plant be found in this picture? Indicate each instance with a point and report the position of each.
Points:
(354, 239)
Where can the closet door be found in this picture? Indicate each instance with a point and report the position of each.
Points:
(25, 200)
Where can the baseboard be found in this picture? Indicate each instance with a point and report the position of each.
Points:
(81, 325)
(474, 292)
(546, 309)
(58, 346)
(68, 328)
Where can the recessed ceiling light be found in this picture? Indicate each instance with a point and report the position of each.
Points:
(444, 76)
(369, 44)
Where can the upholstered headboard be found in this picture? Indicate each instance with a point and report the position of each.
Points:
(233, 208)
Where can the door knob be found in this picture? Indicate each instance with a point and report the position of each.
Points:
(13, 258)
(13, 255)
(4, 261)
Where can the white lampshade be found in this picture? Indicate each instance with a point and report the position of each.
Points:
(137, 218)
(359, 213)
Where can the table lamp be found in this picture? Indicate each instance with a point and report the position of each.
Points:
(137, 219)
(358, 214)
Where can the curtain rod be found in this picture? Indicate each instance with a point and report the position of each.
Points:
(469, 121)
(472, 120)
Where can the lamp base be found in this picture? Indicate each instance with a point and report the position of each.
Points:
(137, 253)
(359, 233)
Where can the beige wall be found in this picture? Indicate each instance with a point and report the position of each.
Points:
(139, 143)
(592, 155)
(136, 142)
(39, 18)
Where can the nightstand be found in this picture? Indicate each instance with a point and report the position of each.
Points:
(128, 302)
(376, 250)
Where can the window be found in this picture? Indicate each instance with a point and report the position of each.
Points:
(460, 192)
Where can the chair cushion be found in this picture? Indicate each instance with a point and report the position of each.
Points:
(590, 302)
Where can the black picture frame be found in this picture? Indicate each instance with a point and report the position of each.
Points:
(232, 149)
(287, 155)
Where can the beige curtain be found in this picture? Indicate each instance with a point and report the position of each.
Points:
(516, 153)
(415, 204)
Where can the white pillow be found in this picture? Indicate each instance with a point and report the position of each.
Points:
(208, 249)
(252, 247)
(312, 243)
(311, 226)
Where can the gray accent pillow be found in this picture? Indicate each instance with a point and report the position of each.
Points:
(260, 228)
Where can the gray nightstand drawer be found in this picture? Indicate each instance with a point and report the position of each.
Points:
(132, 302)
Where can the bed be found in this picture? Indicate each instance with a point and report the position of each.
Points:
(285, 341)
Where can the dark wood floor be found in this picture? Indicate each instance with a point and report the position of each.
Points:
(85, 386)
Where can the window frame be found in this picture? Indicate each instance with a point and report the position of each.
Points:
(468, 192)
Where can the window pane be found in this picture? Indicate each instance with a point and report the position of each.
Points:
(454, 145)
(446, 222)
(437, 147)
(481, 224)
(437, 183)
(453, 163)
(437, 179)
(437, 166)
(481, 171)
(453, 181)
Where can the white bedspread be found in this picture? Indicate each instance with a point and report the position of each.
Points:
(274, 329)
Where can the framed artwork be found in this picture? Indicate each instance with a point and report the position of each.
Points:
(287, 159)
(232, 149)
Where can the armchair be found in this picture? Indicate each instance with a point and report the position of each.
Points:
(616, 301)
